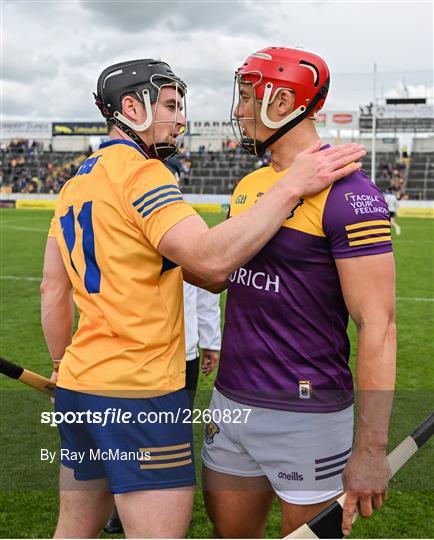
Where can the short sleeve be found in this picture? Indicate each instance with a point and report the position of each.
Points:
(356, 218)
(155, 201)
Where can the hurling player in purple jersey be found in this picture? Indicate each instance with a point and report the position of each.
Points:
(285, 350)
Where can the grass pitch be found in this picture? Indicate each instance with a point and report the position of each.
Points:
(29, 497)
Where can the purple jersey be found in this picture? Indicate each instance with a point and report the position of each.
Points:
(285, 343)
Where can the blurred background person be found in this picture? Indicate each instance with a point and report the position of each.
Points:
(392, 204)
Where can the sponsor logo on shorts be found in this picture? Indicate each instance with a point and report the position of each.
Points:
(304, 389)
(211, 430)
(293, 476)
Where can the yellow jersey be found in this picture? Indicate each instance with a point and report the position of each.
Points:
(108, 222)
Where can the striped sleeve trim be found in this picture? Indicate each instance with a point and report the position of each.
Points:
(160, 204)
(371, 231)
(156, 198)
(364, 224)
(368, 232)
(156, 190)
(371, 241)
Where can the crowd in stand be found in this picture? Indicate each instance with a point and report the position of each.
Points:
(185, 166)
(26, 168)
(394, 174)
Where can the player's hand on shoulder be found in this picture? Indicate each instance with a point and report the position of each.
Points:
(313, 170)
(365, 478)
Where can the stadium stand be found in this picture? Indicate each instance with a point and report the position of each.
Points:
(217, 172)
(27, 168)
(420, 184)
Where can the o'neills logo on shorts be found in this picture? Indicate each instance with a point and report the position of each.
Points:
(257, 280)
(294, 476)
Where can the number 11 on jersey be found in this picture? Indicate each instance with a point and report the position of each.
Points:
(92, 274)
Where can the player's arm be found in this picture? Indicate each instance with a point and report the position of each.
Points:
(57, 306)
(213, 254)
(368, 285)
(209, 285)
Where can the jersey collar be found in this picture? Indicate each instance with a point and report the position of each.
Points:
(280, 173)
(122, 141)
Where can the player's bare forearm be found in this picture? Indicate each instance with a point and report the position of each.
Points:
(57, 306)
(214, 287)
(366, 475)
(375, 380)
(57, 318)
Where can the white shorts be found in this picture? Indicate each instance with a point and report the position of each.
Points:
(302, 454)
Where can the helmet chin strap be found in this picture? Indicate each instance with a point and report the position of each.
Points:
(164, 151)
(147, 150)
(160, 151)
(258, 148)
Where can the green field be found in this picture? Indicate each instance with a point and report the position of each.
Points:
(28, 486)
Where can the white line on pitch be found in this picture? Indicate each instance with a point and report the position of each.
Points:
(415, 298)
(408, 298)
(398, 241)
(15, 221)
(24, 278)
(23, 228)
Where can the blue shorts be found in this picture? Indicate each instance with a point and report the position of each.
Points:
(153, 450)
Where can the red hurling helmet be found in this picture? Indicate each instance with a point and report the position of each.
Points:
(274, 68)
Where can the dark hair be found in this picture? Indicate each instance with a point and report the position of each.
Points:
(110, 125)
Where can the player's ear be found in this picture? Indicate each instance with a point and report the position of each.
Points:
(131, 108)
(284, 102)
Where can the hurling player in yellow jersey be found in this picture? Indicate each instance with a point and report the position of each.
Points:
(120, 240)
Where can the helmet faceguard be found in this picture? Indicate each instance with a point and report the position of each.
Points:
(144, 79)
(250, 144)
(270, 70)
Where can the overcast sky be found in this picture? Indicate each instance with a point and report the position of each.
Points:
(53, 52)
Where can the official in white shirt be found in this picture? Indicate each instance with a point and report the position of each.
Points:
(202, 331)
(392, 204)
